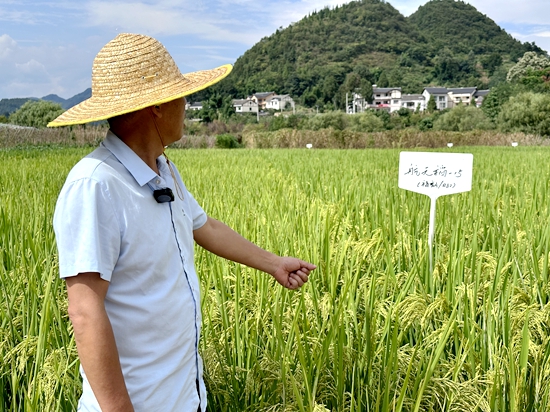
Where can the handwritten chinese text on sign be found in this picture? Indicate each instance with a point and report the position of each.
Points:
(434, 173)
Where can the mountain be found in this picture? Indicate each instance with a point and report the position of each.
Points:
(338, 50)
(54, 98)
(8, 106)
(70, 102)
(461, 28)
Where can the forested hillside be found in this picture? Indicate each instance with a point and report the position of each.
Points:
(334, 51)
(9, 106)
(462, 28)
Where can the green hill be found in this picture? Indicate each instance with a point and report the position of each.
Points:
(461, 28)
(337, 50)
(8, 106)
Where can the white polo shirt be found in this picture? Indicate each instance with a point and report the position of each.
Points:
(106, 220)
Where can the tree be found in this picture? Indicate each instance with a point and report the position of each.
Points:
(527, 112)
(36, 113)
(329, 88)
(217, 107)
(528, 63)
(498, 96)
(463, 118)
(365, 90)
(432, 105)
(383, 80)
(537, 80)
(492, 62)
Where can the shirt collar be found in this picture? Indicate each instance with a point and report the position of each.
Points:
(129, 159)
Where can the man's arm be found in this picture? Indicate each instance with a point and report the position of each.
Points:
(95, 341)
(220, 239)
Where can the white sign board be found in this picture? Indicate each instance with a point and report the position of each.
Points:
(435, 174)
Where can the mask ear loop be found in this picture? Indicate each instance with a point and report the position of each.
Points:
(179, 190)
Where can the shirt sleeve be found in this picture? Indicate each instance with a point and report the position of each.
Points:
(86, 229)
(197, 212)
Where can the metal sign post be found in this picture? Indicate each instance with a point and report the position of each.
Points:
(435, 174)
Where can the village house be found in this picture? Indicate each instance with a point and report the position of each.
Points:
(479, 95)
(280, 102)
(413, 102)
(245, 106)
(386, 98)
(261, 98)
(462, 95)
(439, 95)
(193, 106)
(391, 99)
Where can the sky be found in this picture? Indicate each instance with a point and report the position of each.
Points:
(48, 47)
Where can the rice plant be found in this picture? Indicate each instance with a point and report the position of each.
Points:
(373, 330)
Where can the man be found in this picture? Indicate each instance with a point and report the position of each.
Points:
(125, 225)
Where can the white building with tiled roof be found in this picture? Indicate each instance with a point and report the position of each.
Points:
(440, 96)
(461, 95)
(413, 102)
(193, 106)
(279, 102)
(245, 106)
(262, 98)
(386, 98)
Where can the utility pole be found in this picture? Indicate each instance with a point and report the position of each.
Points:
(346, 102)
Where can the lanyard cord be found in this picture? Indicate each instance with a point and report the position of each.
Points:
(179, 190)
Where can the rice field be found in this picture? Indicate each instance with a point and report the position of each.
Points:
(373, 330)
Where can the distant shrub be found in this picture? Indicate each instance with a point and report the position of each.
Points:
(227, 141)
(463, 118)
(334, 120)
(527, 112)
(425, 124)
(365, 122)
(36, 113)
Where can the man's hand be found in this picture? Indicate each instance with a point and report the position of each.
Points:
(291, 272)
(218, 238)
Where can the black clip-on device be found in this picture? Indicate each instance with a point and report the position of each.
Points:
(164, 195)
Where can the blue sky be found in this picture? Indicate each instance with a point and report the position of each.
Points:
(49, 46)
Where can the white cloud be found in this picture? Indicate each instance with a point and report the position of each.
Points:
(47, 46)
(7, 46)
(31, 67)
(163, 18)
(514, 11)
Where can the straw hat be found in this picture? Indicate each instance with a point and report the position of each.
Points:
(132, 72)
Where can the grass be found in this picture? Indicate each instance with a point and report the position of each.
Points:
(372, 330)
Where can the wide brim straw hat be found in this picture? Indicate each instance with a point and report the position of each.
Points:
(132, 72)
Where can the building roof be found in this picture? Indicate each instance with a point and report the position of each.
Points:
(280, 97)
(239, 102)
(463, 90)
(409, 97)
(196, 104)
(263, 95)
(436, 90)
(481, 93)
(384, 89)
